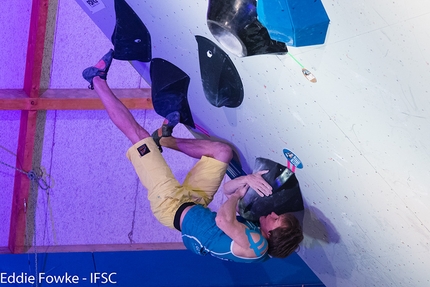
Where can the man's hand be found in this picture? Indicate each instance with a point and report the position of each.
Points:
(257, 183)
(241, 191)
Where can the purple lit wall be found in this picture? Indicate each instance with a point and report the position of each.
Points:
(80, 209)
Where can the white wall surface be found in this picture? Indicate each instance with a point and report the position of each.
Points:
(361, 132)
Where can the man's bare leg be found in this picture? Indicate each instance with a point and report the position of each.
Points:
(124, 120)
(197, 148)
(118, 113)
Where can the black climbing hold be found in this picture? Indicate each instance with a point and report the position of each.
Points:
(131, 39)
(169, 90)
(285, 197)
(235, 25)
(221, 81)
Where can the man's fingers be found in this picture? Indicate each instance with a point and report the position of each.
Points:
(266, 186)
(264, 191)
(259, 184)
(245, 186)
(261, 187)
(243, 189)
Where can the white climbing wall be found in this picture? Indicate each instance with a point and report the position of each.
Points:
(361, 132)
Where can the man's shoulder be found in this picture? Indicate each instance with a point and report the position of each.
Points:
(250, 224)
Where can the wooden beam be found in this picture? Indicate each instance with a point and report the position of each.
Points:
(72, 99)
(27, 131)
(21, 188)
(110, 247)
(36, 43)
(103, 247)
(13, 99)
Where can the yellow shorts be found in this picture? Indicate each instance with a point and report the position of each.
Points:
(165, 193)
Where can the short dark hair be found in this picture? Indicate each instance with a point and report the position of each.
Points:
(285, 240)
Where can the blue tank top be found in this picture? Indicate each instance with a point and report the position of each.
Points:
(202, 236)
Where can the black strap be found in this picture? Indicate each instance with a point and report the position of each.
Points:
(177, 219)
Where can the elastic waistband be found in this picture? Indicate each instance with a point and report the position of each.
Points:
(177, 219)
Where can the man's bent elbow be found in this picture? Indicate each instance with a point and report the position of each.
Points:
(220, 221)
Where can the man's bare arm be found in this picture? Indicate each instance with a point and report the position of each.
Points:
(227, 222)
(226, 218)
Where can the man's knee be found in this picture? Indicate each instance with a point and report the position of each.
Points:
(137, 133)
(222, 152)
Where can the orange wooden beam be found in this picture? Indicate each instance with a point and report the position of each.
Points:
(103, 247)
(72, 99)
(18, 221)
(36, 43)
(27, 131)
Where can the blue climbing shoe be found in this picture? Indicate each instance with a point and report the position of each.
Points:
(166, 128)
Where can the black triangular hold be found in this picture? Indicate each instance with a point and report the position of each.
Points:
(286, 195)
(169, 90)
(130, 38)
(221, 81)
